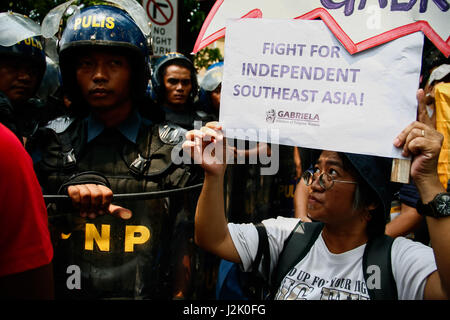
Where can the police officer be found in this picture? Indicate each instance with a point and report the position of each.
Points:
(175, 89)
(105, 249)
(22, 66)
(210, 90)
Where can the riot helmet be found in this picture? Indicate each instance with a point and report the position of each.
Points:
(172, 58)
(210, 83)
(104, 26)
(20, 37)
(213, 77)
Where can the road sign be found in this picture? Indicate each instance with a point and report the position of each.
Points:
(160, 11)
(164, 15)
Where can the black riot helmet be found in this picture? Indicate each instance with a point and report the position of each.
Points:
(20, 37)
(104, 26)
(172, 58)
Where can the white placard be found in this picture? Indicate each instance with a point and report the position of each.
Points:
(294, 77)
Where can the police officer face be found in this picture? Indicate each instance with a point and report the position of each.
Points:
(178, 85)
(104, 79)
(18, 78)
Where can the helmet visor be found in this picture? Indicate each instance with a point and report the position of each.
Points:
(51, 22)
(16, 27)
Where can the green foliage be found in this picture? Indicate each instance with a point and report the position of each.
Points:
(35, 9)
(194, 16)
(206, 57)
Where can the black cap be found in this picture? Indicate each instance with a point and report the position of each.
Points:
(374, 170)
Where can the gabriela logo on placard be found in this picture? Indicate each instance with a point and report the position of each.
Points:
(270, 116)
(285, 116)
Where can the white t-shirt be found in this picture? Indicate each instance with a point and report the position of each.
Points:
(324, 275)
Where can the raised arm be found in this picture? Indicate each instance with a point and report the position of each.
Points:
(207, 148)
(424, 144)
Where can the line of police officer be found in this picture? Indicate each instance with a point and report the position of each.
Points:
(112, 133)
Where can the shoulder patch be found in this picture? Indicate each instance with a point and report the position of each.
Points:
(170, 133)
(60, 124)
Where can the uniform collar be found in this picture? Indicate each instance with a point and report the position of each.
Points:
(129, 128)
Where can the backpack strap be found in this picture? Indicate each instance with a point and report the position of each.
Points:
(254, 284)
(296, 246)
(263, 252)
(377, 266)
(377, 269)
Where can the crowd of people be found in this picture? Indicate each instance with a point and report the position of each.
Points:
(97, 207)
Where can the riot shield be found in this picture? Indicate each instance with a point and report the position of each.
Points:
(111, 258)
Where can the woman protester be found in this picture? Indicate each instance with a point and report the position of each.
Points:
(349, 194)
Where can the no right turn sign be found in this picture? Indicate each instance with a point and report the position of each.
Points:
(164, 15)
(160, 12)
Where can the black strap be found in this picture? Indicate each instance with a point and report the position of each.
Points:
(86, 177)
(296, 246)
(254, 284)
(377, 269)
(263, 252)
(150, 147)
(142, 162)
(69, 158)
(377, 257)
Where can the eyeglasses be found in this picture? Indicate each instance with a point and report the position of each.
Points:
(325, 180)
